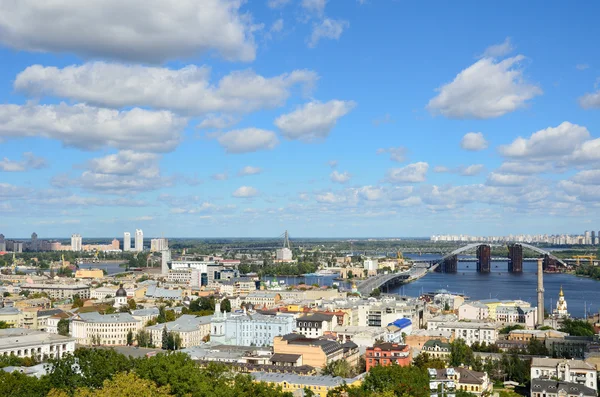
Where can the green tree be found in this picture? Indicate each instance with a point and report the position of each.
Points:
(130, 338)
(340, 368)
(143, 338)
(6, 294)
(63, 327)
(131, 304)
(424, 361)
(98, 365)
(165, 339)
(226, 305)
(77, 301)
(460, 353)
(376, 292)
(536, 347)
(577, 327)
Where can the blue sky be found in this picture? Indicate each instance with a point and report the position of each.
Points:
(327, 118)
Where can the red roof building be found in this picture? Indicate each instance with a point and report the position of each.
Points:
(387, 353)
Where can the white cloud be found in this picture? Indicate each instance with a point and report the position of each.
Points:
(327, 29)
(314, 120)
(11, 191)
(125, 172)
(245, 192)
(187, 90)
(440, 169)
(249, 170)
(484, 90)
(397, 154)
(340, 177)
(220, 176)
(247, 140)
(473, 141)
(134, 30)
(472, 170)
(582, 66)
(332, 163)
(522, 168)
(386, 119)
(217, 122)
(499, 50)
(277, 3)
(548, 143)
(499, 179)
(314, 6)
(590, 100)
(91, 128)
(587, 177)
(277, 26)
(370, 193)
(415, 172)
(587, 193)
(329, 198)
(29, 162)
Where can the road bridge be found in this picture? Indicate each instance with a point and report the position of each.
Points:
(380, 281)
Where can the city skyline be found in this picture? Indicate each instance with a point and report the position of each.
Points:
(327, 118)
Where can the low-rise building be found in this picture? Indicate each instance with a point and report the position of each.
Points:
(22, 342)
(192, 330)
(313, 325)
(103, 292)
(296, 384)
(437, 349)
(473, 311)
(517, 315)
(574, 371)
(59, 291)
(89, 273)
(385, 354)
(477, 383)
(260, 299)
(315, 352)
(472, 332)
(145, 315)
(103, 329)
(553, 388)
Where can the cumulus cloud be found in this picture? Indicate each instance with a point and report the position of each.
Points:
(11, 191)
(217, 122)
(440, 169)
(498, 50)
(332, 163)
(91, 128)
(590, 100)
(277, 26)
(125, 172)
(314, 120)
(187, 90)
(484, 90)
(522, 168)
(591, 177)
(473, 141)
(314, 6)
(548, 143)
(397, 154)
(28, 162)
(247, 140)
(329, 198)
(327, 29)
(499, 179)
(277, 3)
(371, 193)
(340, 177)
(249, 170)
(411, 173)
(135, 30)
(245, 192)
(472, 170)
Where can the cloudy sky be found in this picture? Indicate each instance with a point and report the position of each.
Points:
(330, 118)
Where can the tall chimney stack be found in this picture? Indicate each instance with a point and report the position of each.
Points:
(540, 292)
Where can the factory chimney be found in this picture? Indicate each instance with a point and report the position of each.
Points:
(540, 292)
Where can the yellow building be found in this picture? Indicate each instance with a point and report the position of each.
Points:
(315, 352)
(295, 384)
(493, 304)
(89, 273)
(11, 316)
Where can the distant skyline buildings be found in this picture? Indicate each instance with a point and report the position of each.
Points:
(587, 238)
(126, 241)
(76, 242)
(139, 240)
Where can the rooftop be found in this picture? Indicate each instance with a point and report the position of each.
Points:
(553, 387)
(553, 362)
(95, 317)
(11, 338)
(389, 346)
(185, 323)
(285, 358)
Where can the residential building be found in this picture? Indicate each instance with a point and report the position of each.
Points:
(139, 240)
(437, 349)
(553, 388)
(472, 332)
(249, 329)
(477, 383)
(53, 320)
(283, 254)
(385, 354)
(59, 291)
(76, 242)
(159, 244)
(572, 346)
(315, 352)
(363, 336)
(574, 371)
(313, 325)
(145, 315)
(103, 292)
(473, 311)
(126, 241)
(296, 384)
(370, 264)
(22, 342)
(103, 329)
(517, 315)
(11, 316)
(89, 273)
(260, 299)
(192, 330)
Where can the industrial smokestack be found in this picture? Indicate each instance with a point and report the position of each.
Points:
(540, 292)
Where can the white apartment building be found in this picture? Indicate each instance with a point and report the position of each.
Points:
(103, 292)
(145, 315)
(517, 315)
(471, 332)
(283, 254)
(22, 342)
(191, 329)
(76, 242)
(249, 329)
(59, 291)
(370, 264)
(314, 325)
(574, 371)
(139, 240)
(108, 329)
(159, 244)
(126, 241)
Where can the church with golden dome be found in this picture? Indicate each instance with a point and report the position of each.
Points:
(561, 306)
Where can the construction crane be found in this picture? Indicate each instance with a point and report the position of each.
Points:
(590, 257)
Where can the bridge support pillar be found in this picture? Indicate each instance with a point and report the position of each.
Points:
(450, 264)
(484, 258)
(550, 264)
(515, 258)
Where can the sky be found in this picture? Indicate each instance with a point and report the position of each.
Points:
(327, 118)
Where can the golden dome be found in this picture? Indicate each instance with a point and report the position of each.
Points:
(561, 293)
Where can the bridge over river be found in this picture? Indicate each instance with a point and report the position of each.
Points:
(387, 280)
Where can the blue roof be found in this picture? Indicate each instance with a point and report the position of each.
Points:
(402, 323)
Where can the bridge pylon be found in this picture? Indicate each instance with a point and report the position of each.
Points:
(515, 258)
(484, 258)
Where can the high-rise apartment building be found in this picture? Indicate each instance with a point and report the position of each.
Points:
(34, 241)
(76, 242)
(159, 244)
(2, 243)
(587, 238)
(126, 241)
(593, 237)
(139, 240)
